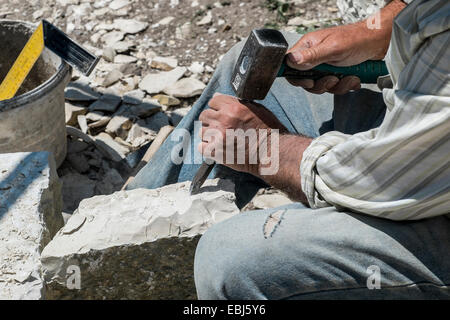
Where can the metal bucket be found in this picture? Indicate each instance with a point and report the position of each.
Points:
(34, 120)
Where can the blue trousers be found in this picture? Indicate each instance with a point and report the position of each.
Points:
(304, 253)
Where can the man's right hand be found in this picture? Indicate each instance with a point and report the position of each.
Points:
(345, 45)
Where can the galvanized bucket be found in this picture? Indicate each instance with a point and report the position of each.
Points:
(34, 120)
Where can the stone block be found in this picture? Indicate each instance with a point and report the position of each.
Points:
(135, 244)
(30, 215)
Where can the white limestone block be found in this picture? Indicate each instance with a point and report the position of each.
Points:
(30, 215)
(136, 244)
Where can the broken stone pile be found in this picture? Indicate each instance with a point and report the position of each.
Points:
(114, 115)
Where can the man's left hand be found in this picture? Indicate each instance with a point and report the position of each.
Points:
(227, 112)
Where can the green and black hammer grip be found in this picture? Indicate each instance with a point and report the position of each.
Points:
(367, 72)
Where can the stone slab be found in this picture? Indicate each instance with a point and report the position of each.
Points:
(30, 215)
(136, 244)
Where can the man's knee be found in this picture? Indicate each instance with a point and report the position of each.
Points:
(226, 258)
(231, 260)
(240, 258)
(212, 267)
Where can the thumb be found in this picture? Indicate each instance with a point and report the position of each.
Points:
(302, 58)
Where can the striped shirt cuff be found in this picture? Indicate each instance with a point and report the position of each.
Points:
(318, 147)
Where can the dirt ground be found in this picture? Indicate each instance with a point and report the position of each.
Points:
(232, 20)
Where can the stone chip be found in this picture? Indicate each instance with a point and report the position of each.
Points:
(119, 4)
(123, 58)
(157, 82)
(112, 37)
(164, 63)
(130, 26)
(72, 112)
(108, 102)
(185, 88)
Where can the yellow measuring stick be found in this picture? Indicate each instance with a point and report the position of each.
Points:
(23, 64)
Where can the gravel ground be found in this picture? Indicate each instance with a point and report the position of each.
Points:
(231, 21)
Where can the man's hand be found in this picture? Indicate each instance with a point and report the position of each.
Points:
(343, 46)
(229, 113)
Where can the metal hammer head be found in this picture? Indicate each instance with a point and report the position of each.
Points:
(258, 64)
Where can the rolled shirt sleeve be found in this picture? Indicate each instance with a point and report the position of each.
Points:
(400, 170)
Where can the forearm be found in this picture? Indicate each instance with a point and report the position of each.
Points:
(379, 27)
(287, 178)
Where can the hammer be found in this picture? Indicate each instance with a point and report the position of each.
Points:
(263, 59)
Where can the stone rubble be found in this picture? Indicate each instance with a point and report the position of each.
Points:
(137, 88)
(122, 46)
(109, 53)
(167, 101)
(177, 115)
(119, 109)
(207, 19)
(80, 90)
(76, 187)
(114, 150)
(165, 21)
(146, 108)
(197, 67)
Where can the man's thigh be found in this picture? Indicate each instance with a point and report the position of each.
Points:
(314, 254)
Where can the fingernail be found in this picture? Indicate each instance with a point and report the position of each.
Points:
(217, 94)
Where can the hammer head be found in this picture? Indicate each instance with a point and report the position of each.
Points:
(258, 64)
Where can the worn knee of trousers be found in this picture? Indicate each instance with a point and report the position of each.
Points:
(223, 269)
(219, 269)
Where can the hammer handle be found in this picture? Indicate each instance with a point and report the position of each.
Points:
(367, 72)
